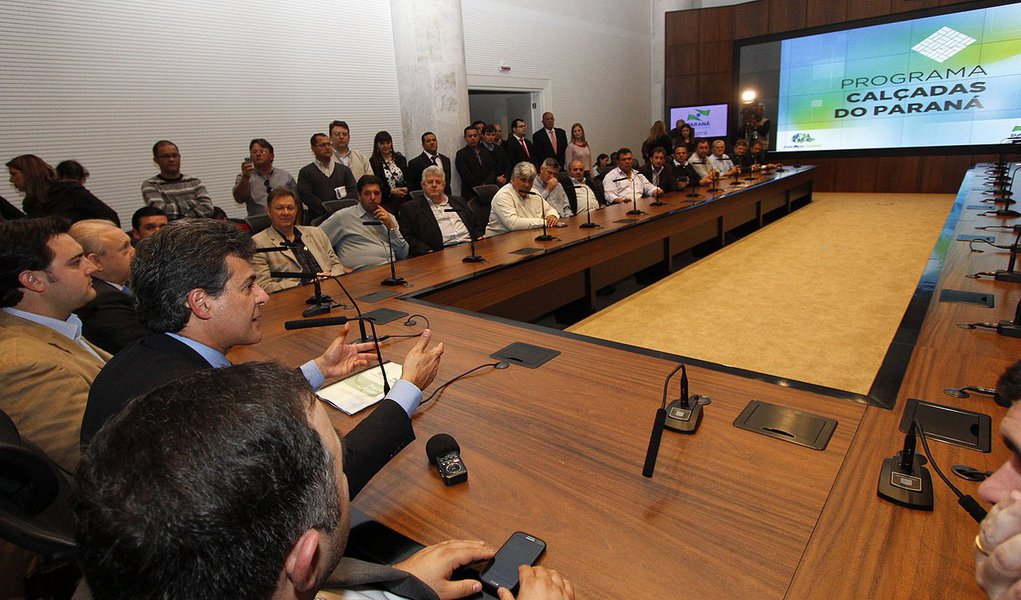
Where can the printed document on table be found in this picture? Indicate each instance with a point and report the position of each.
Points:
(360, 391)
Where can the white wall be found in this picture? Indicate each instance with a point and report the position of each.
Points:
(101, 80)
(594, 53)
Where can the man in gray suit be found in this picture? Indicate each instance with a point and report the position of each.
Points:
(239, 492)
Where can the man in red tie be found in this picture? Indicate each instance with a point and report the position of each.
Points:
(550, 141)
(519, 148)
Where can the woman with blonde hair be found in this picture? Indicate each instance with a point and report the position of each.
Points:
(578, 148)
(47, 195)
(658, 138)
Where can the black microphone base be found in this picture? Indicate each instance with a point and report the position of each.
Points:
(1008, 276)
(1009, 329)
(590, 225)
(749, 178)
(320, 299)
(393, 281)
(315, 310)
(735, 183)
(544, 238)
(1003, 212)
(635, 211)
(474, 258)
(681, 419)
(657, 203)
(693, 195)
(715, 189)
(910, 490)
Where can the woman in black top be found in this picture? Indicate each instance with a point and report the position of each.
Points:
(392, 169)
(658, 138)
(46, 195)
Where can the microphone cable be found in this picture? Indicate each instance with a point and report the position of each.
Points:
(969, 504)
(495, 365)
(410, 322)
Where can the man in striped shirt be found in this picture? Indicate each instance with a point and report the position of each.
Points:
(174, 193)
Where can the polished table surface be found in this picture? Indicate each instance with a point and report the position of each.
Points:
(558, 451)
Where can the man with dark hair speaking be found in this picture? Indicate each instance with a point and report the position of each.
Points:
(197, 293)
(240, 492)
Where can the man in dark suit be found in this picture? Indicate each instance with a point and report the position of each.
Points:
(323, 179)
(474, 164)
(427, 225)
(550, 141)
(430, 156)
(109, 320)
(198, 295)
(518, 148)
(659, 171)
(684, 174)
(244, 495)
(491, 142)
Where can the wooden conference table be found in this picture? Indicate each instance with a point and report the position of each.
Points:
(558, 451)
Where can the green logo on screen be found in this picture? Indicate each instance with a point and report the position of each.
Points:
(1015, 134)
(802, 138)
(700, 114)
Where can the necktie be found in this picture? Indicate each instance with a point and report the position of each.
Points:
(525, 148)
(553, 140)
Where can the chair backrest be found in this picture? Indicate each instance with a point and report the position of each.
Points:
(486, 193)
(480, 214)
(416, 194)
(257, 223)
(35, 497)
(333, 206)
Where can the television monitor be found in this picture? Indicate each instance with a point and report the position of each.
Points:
(933, 81)
(707, 120)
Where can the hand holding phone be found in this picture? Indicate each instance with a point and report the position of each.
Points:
(520, 549)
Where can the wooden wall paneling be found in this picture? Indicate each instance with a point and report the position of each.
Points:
(942, 172)
(786, 15)
(854, 174)
(863, 9)
(824, 13)
(902, 175)
(751, 19)
(678, 26)
(716, 87)
(682, 91)
(717, 25)
(682, 59)
(716, 57)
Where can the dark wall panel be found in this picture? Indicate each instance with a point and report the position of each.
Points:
(702, 72)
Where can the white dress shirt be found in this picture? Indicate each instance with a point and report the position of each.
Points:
(451, 226)
(618, 185)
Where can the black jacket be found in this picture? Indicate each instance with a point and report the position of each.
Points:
(109, 320)
(420, 229)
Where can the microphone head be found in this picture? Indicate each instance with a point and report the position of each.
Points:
(440, 445)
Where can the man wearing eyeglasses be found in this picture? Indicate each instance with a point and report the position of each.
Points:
(258, 178)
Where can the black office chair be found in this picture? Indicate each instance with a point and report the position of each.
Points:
(333, 206)
(416, 194)
(482, 203)
(257, 223)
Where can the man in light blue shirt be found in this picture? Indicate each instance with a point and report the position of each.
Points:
(365, 235)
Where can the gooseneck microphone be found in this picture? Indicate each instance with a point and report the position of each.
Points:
(545, 237)
(319, 303)
(331, 321)
(472, 258)
(903, 480)
(444, 453)
(657, 430)
(588, 224)
(393, 279)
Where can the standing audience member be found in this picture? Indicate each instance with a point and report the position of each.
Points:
(548, 187)
(658, 138)
(176, 519)
(435, 220)
(46, 366)
(515, 206)
(499, 133)
(518, 148)
(550, 141)
(259, 177)
(479, 125)
(147, 221)
(391, 168)
(109, 320)
(308, 249)
(759, 126)
(175, 194)
(323, 179)
(998, 543)
(359, 245)
(430, 156)
(624, 184)
(578, 148)
(501, 164)
(677, 131)
(340, 137)
(46, 195)
(474, 164)
(73, 171)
